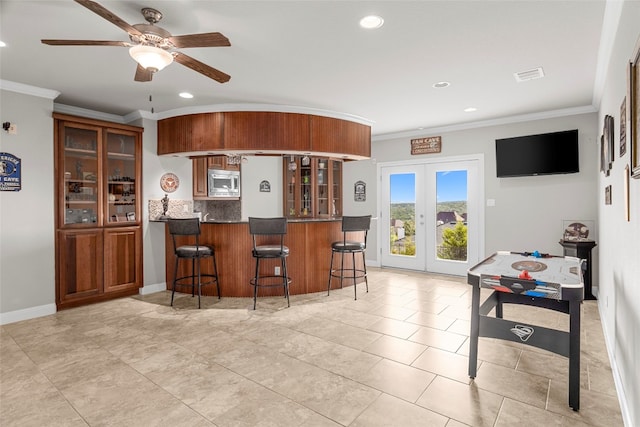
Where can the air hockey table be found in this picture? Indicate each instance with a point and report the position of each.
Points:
(541, 280)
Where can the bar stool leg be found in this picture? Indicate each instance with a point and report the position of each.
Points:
(341, 268)
(330, 273)
(355, 281)
(199, 282)
(215, 271)
(255, 284)
(175, 276)
(193, 277)
(364, 268)
(285, 279)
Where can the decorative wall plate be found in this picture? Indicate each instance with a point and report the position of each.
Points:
(169, 182)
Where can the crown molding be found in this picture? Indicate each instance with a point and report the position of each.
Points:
(28, 90)
(486, 123)
(610, 22)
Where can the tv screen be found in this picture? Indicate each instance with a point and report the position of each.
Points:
(543, 154)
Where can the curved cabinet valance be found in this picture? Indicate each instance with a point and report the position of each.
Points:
(263, 132)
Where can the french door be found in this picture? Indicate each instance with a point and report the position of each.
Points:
(430, 216)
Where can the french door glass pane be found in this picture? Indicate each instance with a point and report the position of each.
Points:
(402, 225)
(451, 215)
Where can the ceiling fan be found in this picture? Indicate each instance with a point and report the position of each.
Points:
(153, 47)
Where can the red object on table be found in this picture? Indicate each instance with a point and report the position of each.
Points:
(525, 275)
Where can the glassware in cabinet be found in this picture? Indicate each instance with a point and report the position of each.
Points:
(121, 171)
(80, 175)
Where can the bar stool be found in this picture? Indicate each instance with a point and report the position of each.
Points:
(268, 243)
(190, 227)
(351, 224)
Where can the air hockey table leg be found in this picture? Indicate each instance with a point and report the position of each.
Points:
(474, 332)
(574, 354)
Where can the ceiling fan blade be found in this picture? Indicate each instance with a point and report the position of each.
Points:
(201, 68)
(108, 15)
(142, 74)
(84, 43)
(200, 40)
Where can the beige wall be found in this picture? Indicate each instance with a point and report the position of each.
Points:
(27, 259)
(619, 243)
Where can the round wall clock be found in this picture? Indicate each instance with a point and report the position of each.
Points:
(169, 182)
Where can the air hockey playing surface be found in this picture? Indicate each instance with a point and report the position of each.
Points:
(548, 276)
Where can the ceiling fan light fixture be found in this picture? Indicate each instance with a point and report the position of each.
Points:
(150, 57)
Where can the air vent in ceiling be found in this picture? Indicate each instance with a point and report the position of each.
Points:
(523, 76)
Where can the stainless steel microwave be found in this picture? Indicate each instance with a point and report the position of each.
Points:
(223, 183)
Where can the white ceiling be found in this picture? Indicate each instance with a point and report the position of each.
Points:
(313, 54)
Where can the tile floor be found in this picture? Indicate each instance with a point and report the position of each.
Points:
(395, 357)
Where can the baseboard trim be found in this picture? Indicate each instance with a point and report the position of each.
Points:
(152, 289)
(617, 379)
(27, 313)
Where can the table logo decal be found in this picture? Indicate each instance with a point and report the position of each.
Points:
(523, 332)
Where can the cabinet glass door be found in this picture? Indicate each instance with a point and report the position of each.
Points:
(120, 173)
(336, 187)
(80, 166)
(305, 187)
(291, 168)
(322, 187)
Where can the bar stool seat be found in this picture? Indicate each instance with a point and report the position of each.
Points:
(190, 227)
(350, 225)
(268, 243)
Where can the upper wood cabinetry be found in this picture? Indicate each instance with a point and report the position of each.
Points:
(266, 131)
(329, 135)
(191, 133)
(263, 132)
(98, 167)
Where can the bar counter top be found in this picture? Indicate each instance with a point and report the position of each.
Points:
(309, 242)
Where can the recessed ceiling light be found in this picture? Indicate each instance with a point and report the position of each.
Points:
(2, 44)
(441, 85)
(470, 109)
(371, 22)
(186, 95)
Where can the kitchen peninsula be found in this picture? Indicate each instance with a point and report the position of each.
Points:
(309, 241)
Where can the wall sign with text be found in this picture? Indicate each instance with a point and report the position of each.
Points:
(431, 144)
(10, 172)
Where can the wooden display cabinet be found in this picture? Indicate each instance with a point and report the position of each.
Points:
(98, 167)
(312, 187)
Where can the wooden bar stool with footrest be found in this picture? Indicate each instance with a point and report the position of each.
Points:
(190, 227)
(350, 226)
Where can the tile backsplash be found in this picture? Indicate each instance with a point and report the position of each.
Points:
(177, 209)
(222, 210)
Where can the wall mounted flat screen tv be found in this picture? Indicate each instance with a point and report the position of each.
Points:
(542, 154)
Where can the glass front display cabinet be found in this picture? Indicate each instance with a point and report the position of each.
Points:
(312, 187)
(98, 234)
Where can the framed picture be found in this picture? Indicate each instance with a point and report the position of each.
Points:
(607, 145)
(131, 216)
(633, 109)
(607, 195)
(623, 127)
(625, 189)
